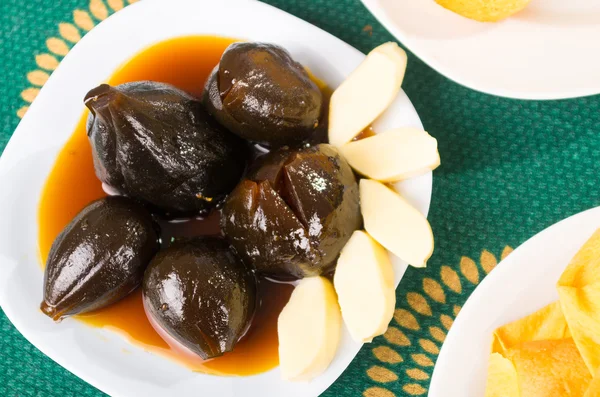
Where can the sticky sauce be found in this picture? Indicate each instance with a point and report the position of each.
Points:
(255, 353)
(366, 133)
(186, 63)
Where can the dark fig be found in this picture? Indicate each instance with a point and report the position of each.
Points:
(155, 143)
(200, 294)
(260, 93)
(294, 212)
(99, 258)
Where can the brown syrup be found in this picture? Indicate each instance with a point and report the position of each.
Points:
(366, 133)
(186, 63)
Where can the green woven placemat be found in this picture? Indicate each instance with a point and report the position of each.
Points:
(509, 169)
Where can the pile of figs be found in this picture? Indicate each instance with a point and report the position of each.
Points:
(285, 214)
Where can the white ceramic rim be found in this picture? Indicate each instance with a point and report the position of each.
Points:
(494, 86)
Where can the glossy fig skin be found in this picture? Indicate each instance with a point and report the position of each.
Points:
(260, 93)
(201, 294)
(294, 212)
(157, 144)
(99, 258)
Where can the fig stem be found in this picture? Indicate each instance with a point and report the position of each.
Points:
(99, 97)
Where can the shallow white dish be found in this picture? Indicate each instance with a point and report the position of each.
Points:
(96, 355)
(550, 50)
(519, 285)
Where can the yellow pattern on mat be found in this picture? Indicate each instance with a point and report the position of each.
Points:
(69, 33)
(415, 372)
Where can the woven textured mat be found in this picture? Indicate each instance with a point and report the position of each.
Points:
(509, 169)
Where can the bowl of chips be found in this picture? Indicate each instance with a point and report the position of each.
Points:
(532, 327)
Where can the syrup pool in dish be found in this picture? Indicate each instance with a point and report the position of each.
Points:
(183, 62)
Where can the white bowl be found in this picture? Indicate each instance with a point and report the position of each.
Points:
(519, 285)
(97, 355)
(550, 50)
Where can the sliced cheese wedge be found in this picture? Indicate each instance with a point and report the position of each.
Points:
(366, 93)
(364, 283)
(395, 224)
(393, 155)
(309, 329)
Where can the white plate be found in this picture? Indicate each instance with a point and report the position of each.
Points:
(97, 355)
(550, 50)
(519, 285)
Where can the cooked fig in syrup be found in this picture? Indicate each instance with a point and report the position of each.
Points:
(99, 258)
(201, 294)
(294, 212)
(155, 143)
(260, 93)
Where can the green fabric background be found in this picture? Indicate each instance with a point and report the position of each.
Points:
(509, 169)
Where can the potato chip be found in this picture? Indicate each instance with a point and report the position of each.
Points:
(581, 307)
(546, 324)
(484, 10)
(584, 268)
(593, 389)
(502, 378)
(549, 368)
(579, 295)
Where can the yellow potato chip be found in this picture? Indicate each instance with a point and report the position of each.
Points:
(579, 295)
(549, 368)
(546, 324)
(484, 10)
(581, 307)
(584, 268)
(502, 378)
(593, 389)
